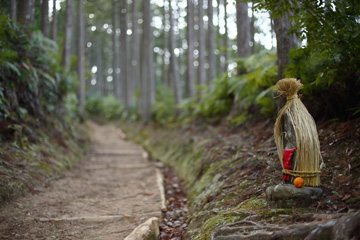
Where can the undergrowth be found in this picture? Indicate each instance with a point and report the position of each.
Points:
(39, 131)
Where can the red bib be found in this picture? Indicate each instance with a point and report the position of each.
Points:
(287, 162)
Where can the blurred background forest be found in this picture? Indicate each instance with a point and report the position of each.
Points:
(168, 61)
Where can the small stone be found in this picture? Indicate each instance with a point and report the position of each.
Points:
(147, 231)
(328, 201)
(289, 196)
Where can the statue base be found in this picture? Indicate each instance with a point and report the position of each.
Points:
(289, 196)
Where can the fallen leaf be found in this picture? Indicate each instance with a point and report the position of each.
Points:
(347, 196)
(342, 209)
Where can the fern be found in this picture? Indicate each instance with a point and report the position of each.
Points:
(253, 89)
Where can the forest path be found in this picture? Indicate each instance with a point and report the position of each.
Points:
(104, 197)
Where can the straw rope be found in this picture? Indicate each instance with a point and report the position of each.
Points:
(307, 161)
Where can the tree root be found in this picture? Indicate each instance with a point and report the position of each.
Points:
(345, 227)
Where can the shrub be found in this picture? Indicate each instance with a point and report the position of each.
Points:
(236, 94)
(328, 63)
(31, 76)
(108, 107)
(164, 109)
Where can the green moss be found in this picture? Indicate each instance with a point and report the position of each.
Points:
(213, 222)
(353, 200)
(207, 192)
(45, 167)
(270, 213)
(188, 165)
(208, 178)
(254, 204)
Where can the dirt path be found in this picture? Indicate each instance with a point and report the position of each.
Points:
(104, 197)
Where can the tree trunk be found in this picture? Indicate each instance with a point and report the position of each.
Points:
(165, 75)
(252, 29)
(135, 47)
(32, 11)
(81, 66)
(179, 38)
(226, 39)
(174, 67)
(99, 63)
(273, 34)
(115, 52)
(127, 88)
(201, 80)
(211, 42)
(147, 63)
(243, 30)
(45, 17)
(218, 42)
(25, 11)
(13, 10)
(285, 42)
(54, 23)
(68, 34)
(152, 66)
(190, 80)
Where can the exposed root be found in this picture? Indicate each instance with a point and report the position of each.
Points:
(346, 227)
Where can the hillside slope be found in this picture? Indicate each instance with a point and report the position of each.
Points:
(226, 172)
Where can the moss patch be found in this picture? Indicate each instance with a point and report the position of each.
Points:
(210, 224)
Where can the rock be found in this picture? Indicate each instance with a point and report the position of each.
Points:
(149, 230)
(288, 196)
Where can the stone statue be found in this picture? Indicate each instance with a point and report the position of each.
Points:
(298, 148)
(296, 137)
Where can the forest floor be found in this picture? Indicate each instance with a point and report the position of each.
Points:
(104, 197)
(226, 171)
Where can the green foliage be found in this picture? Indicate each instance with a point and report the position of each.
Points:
(4, 113)
(255, 88)
(214, 102)
(71, 104)
(31, 76)
(356, 110)
(333, 35)
(164, 108)
(112, 107)
(108, 107)
(93, 105)
(238, 94)
(328, 64)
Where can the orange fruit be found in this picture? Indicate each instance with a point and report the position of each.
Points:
(299, 182)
